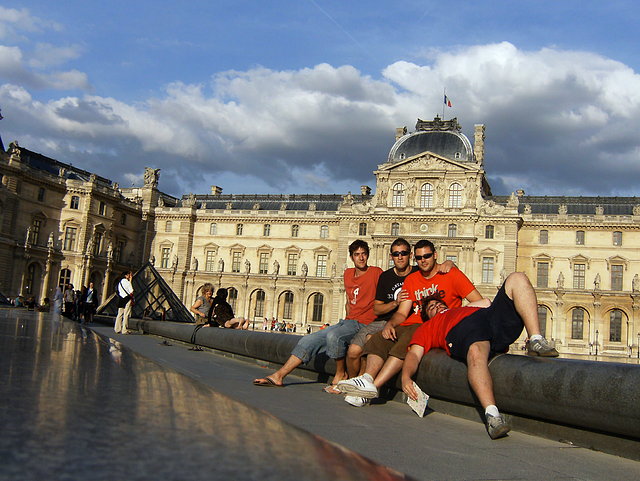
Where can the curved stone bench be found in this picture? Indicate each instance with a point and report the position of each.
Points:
(600, 398)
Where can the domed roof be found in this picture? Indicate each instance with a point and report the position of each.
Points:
(440, 137)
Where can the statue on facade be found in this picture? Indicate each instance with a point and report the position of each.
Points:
(348, 199)
(247, 266)
(562, 210)
(599, 210)
(635, 283)
(305, 269)
(14, 151)
(90, 245)
(527, 208)
(116, 186)
(195, 263)
(276, 267)
(51, 242)
(151, 177)
(160, 201)
(190, 201)
(513, 200)
(561, 281)
(27, 239)
(229, 205)
(221, 265)
(110, 251)
(596, 282)
(312, 206)
(334, 270)
(174, 262)
(152, 260)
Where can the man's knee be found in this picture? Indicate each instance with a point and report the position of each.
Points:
(478, 352)
(354, 351)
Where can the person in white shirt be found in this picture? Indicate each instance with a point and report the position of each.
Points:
(125, 302)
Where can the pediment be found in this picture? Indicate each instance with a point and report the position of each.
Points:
(426, 161)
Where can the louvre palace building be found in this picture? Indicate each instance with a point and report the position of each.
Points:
(283, 255)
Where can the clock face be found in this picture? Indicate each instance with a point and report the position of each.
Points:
(424, 228)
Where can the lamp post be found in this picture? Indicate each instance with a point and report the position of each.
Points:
(596, 342)
(638, 345)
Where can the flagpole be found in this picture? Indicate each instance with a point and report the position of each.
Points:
(444, 96)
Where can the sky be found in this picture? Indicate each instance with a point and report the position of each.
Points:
(303, 96)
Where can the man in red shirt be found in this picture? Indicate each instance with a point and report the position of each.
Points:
(386, 350)
(360, 287)
(475, 332)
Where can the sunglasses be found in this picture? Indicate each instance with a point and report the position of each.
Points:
(425, 257)
(400, 253)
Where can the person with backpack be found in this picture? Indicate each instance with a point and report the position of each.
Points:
(124, 294)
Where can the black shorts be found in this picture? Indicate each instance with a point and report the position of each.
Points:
(500, 324)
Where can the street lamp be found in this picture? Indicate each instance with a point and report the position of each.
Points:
(596, 342)
(638, 345)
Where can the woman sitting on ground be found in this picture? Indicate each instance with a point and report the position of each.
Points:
(221, 313)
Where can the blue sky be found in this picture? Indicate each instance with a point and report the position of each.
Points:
(304, 96)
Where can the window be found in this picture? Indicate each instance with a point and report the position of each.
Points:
(362, 228)
(487, 270)
(266, 230)
(236, 257)
(213, 228)
(75, 202)
(579, 237)
(97, 243)
(542, 319)
(119, 253)
(259, 310)
(35, 231)
(488, 232)
(263, 266)
(578, 275)
(615, 326)
(65, 277)
(452, 231)
(577, 323)
(123, 219)
(324, 231)
(397, 198)
(455, 196)
(395, 229)
(102, 208)
(544, 237)
(321, 265)
(452, 258)
(239, 229)
(232, 297)
(295, 230)
(616, 277)
(543, 274)
(70, 234)
(292, 264)
(168, 227)
(164, 258)
(617, 238)
(426, 196)
(288, 305)
(318, 301)
(41, 194)
(209, 264)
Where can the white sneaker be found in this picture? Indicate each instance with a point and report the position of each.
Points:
(359, 386)
(357, 401)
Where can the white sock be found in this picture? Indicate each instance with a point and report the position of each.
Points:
(492, 410)
(536, 336)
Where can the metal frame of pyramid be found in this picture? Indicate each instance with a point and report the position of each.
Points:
(154, 299)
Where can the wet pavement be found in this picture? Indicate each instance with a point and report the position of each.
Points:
(81, 403)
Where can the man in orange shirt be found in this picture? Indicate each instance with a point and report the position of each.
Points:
(386, 350)
(360, 287)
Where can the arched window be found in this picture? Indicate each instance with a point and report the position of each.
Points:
(318, 301)
(65, 277)
(397, 199)
(489, 231)
(395, 229)
(213, 228)
(259, 310)
(232, 296)
(362, 228)
(324, 231)
(455, 196)
(295, 230)
(426, 196)
(168, 227)
(287, 312)
(577, 323)
(615, 326)
(542, 319)
(75, 202)
(452, 230)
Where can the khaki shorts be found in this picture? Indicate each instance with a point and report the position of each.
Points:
(384, 348)
(361, 337)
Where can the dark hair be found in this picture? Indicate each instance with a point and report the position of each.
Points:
(400, 242)
(221, 294)
(425, 302)
(358, 244)
(421, 244)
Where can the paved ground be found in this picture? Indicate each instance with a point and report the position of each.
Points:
(437, 447)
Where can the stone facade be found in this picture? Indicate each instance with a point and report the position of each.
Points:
(283, 255)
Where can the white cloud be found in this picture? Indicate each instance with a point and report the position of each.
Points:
(557, 121)
(14, 22)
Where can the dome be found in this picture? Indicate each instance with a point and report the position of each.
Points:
(441, 138)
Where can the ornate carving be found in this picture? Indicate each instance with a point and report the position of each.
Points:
(489, 207)
(190, 201)
(560, 281)
(527, 209)
(195, 263)
(599, 210)
(247, 266)
(221, 265)
(596, 282)
(151, 177)
(513, 200)
(635, 283)
(562, 210)
(304, 269)
(276, 267)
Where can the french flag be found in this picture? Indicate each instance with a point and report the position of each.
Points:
(447, 101)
